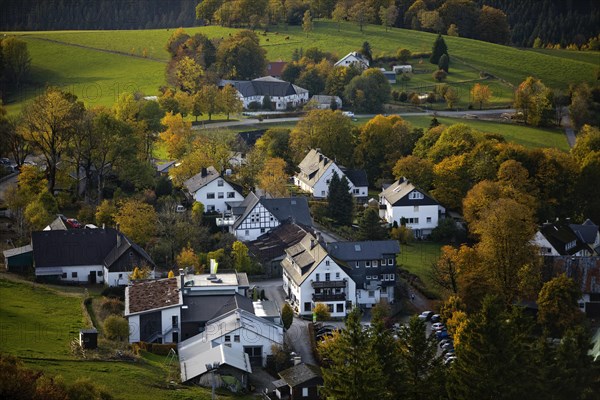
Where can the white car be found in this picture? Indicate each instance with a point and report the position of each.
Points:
(349, 114)
(438, 326)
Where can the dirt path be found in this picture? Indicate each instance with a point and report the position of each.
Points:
(120, 53)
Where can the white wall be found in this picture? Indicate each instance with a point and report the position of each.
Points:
(166, 322)
(362, 297)
(217, 203)
(83, 273)
(543, 243)
(134, 328)
(321, 187)
(423, 212)
(266, 221)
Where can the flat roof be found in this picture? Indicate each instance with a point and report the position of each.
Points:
(222, 279)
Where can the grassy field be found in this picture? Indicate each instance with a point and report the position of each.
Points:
(417, 258)
(38, 324)
(527, 136)
(97, 76)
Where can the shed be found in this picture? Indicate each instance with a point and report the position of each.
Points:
(19, 259)
(88, 338)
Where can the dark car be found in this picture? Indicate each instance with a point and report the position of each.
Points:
(436, 318)
(426, 315)
(442, 335)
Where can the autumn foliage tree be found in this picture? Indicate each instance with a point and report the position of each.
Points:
(137, 220)
(558, 304)
(481, 94)
(177, 136)
(273, 178)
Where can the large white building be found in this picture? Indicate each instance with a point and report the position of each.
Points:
(316, 171)
(282, 94)
(353, 58)
(403, 203)
(211, 188)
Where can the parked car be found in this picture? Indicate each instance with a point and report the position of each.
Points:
(73, 223)
(438, 326)
(448, 346)
(436, 318)
(442, 335)
(444, 341)
(449, 360)
(426, 315)
(348, 114)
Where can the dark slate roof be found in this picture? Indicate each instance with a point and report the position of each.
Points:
(152, 295)
(205, 308)
(301, 373)
(72, 247)
(164, 167)
(294, 209)
(586, 232)
(265, 86)
(358, 177)
(583, 270)
(124, 245)
(559, 235)
(201, 179)
(272, 244)
(397, 195)
(365, 250)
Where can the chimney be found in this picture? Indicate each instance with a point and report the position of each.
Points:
(181, 277)
(320, 239)
(103, 225)
(312, 244)
(297, 360)
(320, 157)
(204, 172)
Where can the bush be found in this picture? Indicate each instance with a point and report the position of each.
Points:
(111, 305)
(439, 75)
(287, 316)
(116, 328)
(117, 292)
(322, 312)
(395, 95)
(403, 97)
(86, 389)
(254, 105)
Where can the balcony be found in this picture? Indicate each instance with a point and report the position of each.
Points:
(329, 284)
(329, 297)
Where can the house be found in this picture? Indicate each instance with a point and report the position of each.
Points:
(311, 275)
(372, 266)
(302, 381)
(275, 68)
(86, 256)
(163, 168)
(405, 204)
(256, 216)
(153, 309)
(588, 233)
(401, 69)
(316, 171)
(559, 239)
(323, 102)
(353, 58)
(242, 332)
(210, 188)
(282, 94)
(18, 260)
(269, 248)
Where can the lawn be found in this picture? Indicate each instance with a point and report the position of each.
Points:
(417, 258)
(38, 324)
(527, 136)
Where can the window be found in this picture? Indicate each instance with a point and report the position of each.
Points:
(307, 307)
(390, 261)
(322, 193)
(262, 230)
(356, 191)
(368, 264)
(64, 275)
(236, 338)
(210, 195)
(428, 220)
(416, 208)
(227, 338)
(330, 307)
(368, 277)
(328, 276)
(371, 293)
(120, 276)
(327, 262)
(231, 195)
(375, 263)
(73, 274)
(221, 195)
(337, 275)
(339, 308)
(247, 232)
(220, 182)
(100, 273)
(384, 290)
(211, 207)
(413, 220)
(415, 195)
(317, 277)
(304, 392)
(357, 264)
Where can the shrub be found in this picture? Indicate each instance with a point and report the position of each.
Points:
(403, 97)
(287, 316)
(395, 95)
(111, 305)
(439, 75)
(115, 291)
(322, 312)
(116, 328)
(86, 389)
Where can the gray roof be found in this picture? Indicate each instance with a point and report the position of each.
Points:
(313, 166)
(205, 308)
(17, 251)
(307, 254)
(272, 244)
(164, 167)
(358, 177)
(397, 194)
(301, 373)
(293, 209)
(120, 249)
(265, 86)
(201, 179)
(365, 250)
(586, 232)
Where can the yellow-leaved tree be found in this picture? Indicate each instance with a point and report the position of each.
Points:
(273, 178)
(177, 136)
(137, 220)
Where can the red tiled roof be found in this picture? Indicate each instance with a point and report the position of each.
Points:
(151, 295)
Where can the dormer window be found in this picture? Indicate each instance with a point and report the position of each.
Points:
(220, 182)
(415, 195)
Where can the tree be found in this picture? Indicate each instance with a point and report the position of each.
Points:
(558, 305)
(453, 30)
(328, 130)
(439, 75)
(307, 22)
(321, 312)
(287, 316)
(241, 57)
(186, 75)
(209, 100)
(273, 178)
(481, 94)
(340, 203)
(368, 92)
(445, 271)
(187, 258)
(105, 213)
(403, 55)
(37, 214)
(140, 273)
(584, 107)
(492, 26)
(352, 370)
(532, 98)
(388, 16)
(205, 10)
(171, 274)
(49, 123)
(444, 63)
(439, 48)
(340, 13)
(11, 140)
(370, 227)
(362, 14)
(415, 169)
(230, 101)
(452, 97)
(16, 61)
(241, 260)
(423, 372)
(365, 50)
(137, 220)
(463, 13)
(116, 328)
(177, 135)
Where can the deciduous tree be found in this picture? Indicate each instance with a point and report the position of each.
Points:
(481, 94)
(558, 305)
(241, 57)
(287, 316)
(361, 14)
(415, 169)
(533, 99)
(273, 178)
(230, 101)
(368, 92)
(307, 22)
(177, 136)
(137, 220)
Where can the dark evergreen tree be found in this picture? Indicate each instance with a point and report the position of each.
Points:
(439, 48)
(339, 200)
(369, 227)
(366, 51)
(444, 62)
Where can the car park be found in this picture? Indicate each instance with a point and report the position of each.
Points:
(426, 315)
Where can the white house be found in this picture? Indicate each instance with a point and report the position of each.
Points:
(248, 338)
(282, 94)
(153, 309)
(561, 239)
(316, 171)
(87, 256)
(210, 188)
(311, 276)
(399, 69)
(323, 102)
(353, 58)
(256, 216)
(402, 202)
